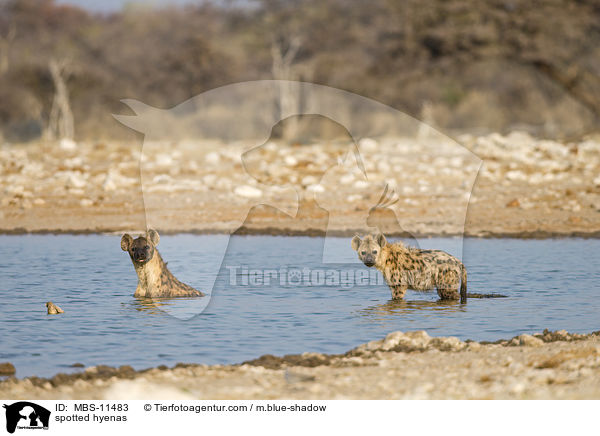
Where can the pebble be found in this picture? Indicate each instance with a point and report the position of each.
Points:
(315, 188)
(109, 183)
(530, 341)
(347, 179)
(248, 192)
(76, 181)
(290, 161)
(7, 368)
(163, 159)
(67, 144)
(212, 158)
(367, 144)
(360, 184)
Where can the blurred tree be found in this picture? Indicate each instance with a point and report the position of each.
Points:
(495, 64)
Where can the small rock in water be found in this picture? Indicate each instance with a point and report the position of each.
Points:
(248, 192)
(86, 202)
(7, 368)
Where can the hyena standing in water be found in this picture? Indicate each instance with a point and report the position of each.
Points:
(154, 278)
(411, 268)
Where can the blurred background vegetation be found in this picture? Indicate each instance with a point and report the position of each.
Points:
(461, 65)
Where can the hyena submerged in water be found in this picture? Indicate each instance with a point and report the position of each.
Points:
(412, 268)
(154, 278)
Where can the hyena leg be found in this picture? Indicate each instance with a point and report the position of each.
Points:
(398, 291)
(447, 286)
(448, 294)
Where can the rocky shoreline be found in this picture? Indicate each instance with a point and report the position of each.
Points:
(403, 365)
(481, 186)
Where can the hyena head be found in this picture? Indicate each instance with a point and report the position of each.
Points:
(141, 250)
(369, 248)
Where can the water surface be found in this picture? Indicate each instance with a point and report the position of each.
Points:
(550, 283)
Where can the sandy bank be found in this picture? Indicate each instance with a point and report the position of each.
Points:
(412, 365)
(487, 186)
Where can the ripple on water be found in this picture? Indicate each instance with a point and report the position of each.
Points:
(550, 284)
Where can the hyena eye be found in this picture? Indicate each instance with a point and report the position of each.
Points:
(363, 252)
(374, 251)
(147, 247)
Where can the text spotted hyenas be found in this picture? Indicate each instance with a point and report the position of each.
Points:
(154, 278)
(412, 268)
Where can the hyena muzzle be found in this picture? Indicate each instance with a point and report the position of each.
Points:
(412, 268)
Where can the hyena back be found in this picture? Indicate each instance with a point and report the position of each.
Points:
(154, 278)
(412, 268)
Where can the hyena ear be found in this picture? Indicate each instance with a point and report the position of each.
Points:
(355, 242)
(154, 237)
(381, 241)
(126, 241)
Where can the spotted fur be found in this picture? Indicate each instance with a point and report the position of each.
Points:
(412, 268)
(154, 278)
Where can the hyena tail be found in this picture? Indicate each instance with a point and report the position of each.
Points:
(463, 284)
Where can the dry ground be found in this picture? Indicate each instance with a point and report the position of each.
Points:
(525, 187)
(551, 365)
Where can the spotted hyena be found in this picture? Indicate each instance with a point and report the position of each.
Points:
(154, 278)
(411, 268)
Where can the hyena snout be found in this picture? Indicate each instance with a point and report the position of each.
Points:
(141, 254)
(368, 248)
(368, 260)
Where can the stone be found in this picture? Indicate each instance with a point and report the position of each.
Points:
(530, 341)
(450, 343)
(367, 144)
(290, 161)
(7, 368)
(248, 192)
(212, 158)
(109, 183)
(315, 188)
(67, 144)
(163, 159)
(76, 181)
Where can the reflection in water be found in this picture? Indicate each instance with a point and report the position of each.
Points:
(180, 307)
(381, 312)
(551, 284)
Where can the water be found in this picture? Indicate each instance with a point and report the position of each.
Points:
(550, 283)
